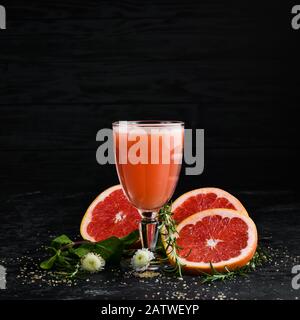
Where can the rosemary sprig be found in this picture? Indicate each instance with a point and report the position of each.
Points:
(169, 232)
(260, 257)
(216, 275)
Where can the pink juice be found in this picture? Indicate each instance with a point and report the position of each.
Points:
(150, 182)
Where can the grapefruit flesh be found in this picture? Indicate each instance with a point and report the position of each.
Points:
(223, 237)
(110, 214)
(202, 199)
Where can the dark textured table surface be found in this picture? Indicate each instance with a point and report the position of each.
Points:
(70, 68)
(29, 220)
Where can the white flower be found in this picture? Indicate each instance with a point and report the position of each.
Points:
(141, 259)
(92, 262)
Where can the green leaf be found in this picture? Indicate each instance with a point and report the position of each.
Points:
(81, 251)
(61, 261)
(131, 238)
(48, 264)
(61, 241)
(110, 249)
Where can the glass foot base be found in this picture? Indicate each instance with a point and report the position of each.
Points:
(154, 267)
(126, 266)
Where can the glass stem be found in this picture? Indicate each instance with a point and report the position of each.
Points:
(149, 230)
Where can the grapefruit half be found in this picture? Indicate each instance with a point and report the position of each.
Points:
(110, 214)
(202, 199)
(223, 237)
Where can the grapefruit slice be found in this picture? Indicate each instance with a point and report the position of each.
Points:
(110, 214)
(202, 199)
(222, 237)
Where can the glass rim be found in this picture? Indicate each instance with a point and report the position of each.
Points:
(148, 123)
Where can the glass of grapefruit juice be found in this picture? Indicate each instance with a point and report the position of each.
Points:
(148, 157)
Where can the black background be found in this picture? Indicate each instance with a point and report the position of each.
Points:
(69, 68)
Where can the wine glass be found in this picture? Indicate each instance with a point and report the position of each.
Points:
(148, 157)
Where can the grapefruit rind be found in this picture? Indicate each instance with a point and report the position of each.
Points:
(88, 214)
(219, 192)
(234, 263)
